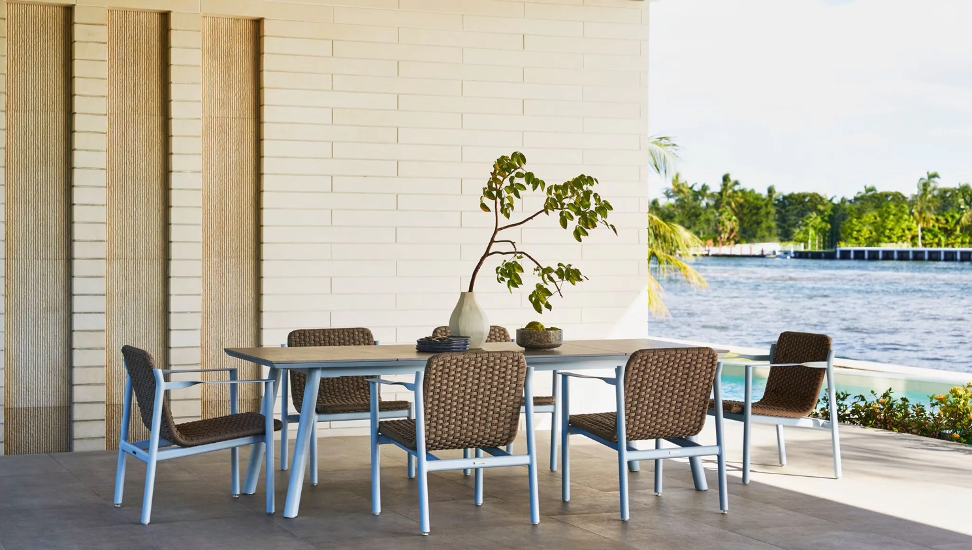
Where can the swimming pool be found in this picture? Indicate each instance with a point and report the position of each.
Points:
(851, 381)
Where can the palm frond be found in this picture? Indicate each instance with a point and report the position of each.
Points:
(662, 153)
(669, 247)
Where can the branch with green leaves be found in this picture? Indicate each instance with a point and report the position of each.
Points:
(575, 204)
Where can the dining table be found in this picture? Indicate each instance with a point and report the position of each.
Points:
(395, 359)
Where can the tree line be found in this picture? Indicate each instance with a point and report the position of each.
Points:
(934, 216)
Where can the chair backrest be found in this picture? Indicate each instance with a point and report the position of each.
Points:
(496, 333)
(141, 366)
(343, 389)
(472, 399)
(666, 392)
(796, 389)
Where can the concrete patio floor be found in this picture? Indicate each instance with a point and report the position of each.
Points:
(897, 492)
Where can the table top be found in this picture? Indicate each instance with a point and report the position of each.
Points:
(405, 355)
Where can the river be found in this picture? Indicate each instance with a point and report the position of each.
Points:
(916, 314)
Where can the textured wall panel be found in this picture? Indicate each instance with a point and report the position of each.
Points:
(136, 290)
(37, 297)
(231, 202)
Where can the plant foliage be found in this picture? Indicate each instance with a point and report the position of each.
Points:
(947, 416)
(577, 206)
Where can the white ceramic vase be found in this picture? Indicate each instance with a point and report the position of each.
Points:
(468, 319)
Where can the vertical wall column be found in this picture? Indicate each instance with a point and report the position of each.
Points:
(136, 292)
(37, 301)
(231, 202)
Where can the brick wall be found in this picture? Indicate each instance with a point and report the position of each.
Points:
(381, 119)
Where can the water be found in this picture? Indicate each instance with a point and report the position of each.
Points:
(905, 313)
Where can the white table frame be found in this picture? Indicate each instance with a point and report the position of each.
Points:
(403, 359)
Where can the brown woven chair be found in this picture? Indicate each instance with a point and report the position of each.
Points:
(799, 363)
(662, 394)
(462, 400)
(168, 440)
(543, 404)
(338, 399)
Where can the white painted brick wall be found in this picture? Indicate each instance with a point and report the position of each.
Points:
(381, 119)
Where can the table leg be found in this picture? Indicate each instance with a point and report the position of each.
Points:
(304, 432)
(256, 452)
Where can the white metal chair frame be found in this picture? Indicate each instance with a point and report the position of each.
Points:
(629, 455)
(286, 418)
(156, 449)
(427, 462)
(748, 418)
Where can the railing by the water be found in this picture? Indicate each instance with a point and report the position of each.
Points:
(904, 254)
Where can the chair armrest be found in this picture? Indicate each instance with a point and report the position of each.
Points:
(738, 357)
(391, 383)
(811, 364)
(183, 384)
(607, 379)
(181, 371)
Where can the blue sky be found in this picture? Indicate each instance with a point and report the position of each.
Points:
(814, 95)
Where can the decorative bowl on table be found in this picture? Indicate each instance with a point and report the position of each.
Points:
(442, 344)
(539, 339)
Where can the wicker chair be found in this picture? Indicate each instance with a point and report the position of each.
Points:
(661, 394)
(462, 400)
(338, 399)
(799, 363)
(543, 404)
(168, 440)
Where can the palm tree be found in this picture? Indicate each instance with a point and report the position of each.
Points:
(668, 243)
(924, 202)
(965, 190)
(727, 200)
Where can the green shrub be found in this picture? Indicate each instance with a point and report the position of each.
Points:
(947, 416)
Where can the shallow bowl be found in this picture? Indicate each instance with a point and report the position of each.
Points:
(539, 339)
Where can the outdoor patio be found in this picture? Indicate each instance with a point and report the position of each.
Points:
(897, 492)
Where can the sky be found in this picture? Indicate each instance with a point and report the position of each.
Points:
(814, 95)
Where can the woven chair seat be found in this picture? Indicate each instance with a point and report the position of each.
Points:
(221, 428)
(540, 400)
(603, 425)
(337, 408)
(763, 409)
(401, 431)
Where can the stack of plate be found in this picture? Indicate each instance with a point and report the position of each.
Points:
(442, 345)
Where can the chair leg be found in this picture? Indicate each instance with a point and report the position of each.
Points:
(150, 465)
(284, 410)
(466, 454)
(781, 444)
(235, 469)
(376, 474)
(564, 441)
(747, 425)
(555, 424)
(509, 448)
(634, 466)
(271, 496)
(658, 470)
(411, 458)
(120, 478)
(723, 489)
(623, 478)
(479, 480)
(835, 440)
(313, 453)
(423, 492)
(534, 482)
(698, 473)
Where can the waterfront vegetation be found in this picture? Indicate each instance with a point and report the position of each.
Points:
(935, 216)
(946, 416)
